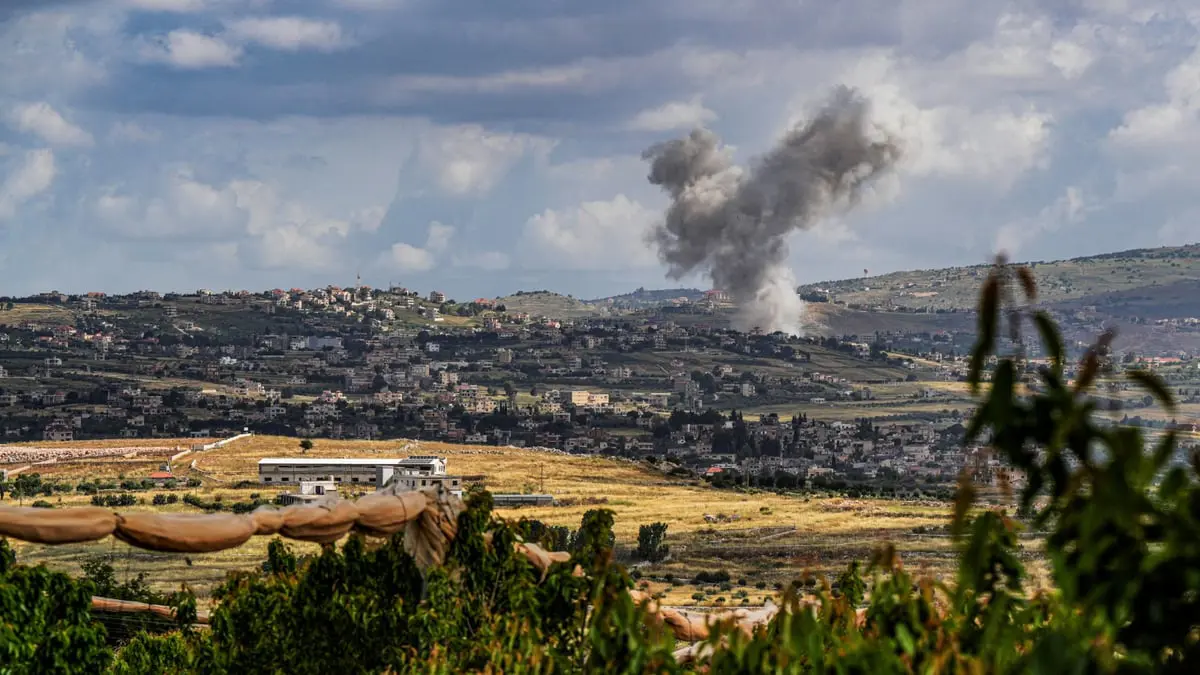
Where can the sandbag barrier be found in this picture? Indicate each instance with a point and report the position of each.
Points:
(114, 606)
(429, 520)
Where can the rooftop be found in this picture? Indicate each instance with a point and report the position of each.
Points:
(362, 461)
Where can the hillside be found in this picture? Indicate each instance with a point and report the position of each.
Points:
(1146, 281)
(546, 303)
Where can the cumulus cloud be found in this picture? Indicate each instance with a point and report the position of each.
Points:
(593, 235)
(1003, 108)
(409, 258)
(289, 33)
(1163, 124)
(1070, 208)
(405, 257)
(470, 160)
(45, 122)
(32, 177)
(996, 145)
(190, 50)
(672, 116)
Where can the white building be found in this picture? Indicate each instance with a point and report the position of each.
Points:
(370, 471)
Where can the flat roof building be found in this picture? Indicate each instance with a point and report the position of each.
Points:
(416, 472)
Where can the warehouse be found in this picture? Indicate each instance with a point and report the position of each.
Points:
(371, 471)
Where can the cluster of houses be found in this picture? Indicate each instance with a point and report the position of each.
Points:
(372, 363)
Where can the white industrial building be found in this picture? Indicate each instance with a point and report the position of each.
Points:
(412, 473)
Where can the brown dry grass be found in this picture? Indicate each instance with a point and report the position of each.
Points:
(828, 531)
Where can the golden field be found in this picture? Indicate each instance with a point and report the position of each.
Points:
(774, 538)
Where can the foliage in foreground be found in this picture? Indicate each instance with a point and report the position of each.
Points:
(1123, 523)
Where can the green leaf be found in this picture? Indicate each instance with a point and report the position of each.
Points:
(1051, 339)
(1025, 275)
(1155, 386)
(905, 638)
(989, 318)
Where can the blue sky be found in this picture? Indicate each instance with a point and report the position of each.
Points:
(482, 147)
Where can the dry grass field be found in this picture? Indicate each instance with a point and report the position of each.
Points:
(774, 538)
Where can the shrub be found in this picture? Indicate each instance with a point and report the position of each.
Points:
(651, 544)
(711, 577)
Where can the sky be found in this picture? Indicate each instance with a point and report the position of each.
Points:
(481, 147)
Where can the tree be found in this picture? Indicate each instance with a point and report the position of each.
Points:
(306, 445)
(652, 545)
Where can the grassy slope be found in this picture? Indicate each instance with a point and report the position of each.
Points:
(547, 304)
(1059, 281)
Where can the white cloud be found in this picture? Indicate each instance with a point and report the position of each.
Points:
(183, 206)
(45, 122)
(174, 6)
(189, 50)
(594, 235)
(470, 160)
(34, 176)
(439, 236)
(673, 115)
(1163, 125)
(409, 258)
(1070, 208)
(289, 33)
(368, 219)
(996, 145)
(401, 87)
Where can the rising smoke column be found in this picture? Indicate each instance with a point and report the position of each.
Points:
(733, 223)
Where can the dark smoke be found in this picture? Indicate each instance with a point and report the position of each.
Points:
(733, 223)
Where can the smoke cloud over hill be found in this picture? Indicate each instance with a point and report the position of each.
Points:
(732, 223)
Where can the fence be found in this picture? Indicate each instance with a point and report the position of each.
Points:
(207, 446)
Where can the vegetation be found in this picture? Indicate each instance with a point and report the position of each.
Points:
(652, 545)
(1122, 522)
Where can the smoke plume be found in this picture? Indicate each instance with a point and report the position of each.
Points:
(733, 223)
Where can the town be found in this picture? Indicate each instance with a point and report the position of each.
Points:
(664, 381)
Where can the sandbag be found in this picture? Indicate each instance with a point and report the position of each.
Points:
(184, 532)
(55, 526)
(383, 515)
(267, 520)
(427, 538)
(686, 626)
(319, 524)
(536, 556)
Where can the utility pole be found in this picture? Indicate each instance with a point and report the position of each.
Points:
(541, 479)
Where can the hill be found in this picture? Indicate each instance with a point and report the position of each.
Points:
(643, 297)
(546, 303)
(1147, 281)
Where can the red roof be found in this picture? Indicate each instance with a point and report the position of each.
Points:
(156, 475)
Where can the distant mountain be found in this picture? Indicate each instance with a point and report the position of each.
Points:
(1154, 283)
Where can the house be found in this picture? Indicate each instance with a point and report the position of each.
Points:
(309, 491)
(58, 432)
(160, 478)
